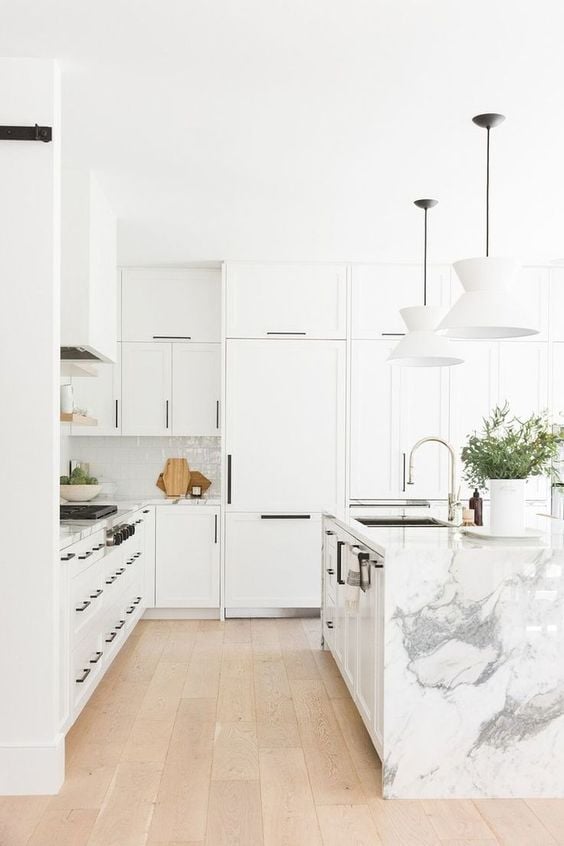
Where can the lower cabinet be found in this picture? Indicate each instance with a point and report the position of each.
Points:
(272, 561)
(187, 556)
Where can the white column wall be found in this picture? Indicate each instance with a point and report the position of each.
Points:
(31, 748)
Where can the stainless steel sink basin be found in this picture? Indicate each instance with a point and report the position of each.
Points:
(402, 521)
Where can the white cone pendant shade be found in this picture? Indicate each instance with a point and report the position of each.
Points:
(422, 347)
(488, 308)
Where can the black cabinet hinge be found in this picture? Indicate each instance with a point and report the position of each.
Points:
(26, 133)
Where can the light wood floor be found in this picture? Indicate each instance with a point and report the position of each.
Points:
(242, 733)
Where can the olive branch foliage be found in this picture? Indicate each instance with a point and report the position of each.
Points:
(510, 448)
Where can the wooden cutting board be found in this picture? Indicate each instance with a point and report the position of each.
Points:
(197, 478)
(176, 476)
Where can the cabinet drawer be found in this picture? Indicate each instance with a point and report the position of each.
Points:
(84, 553)
(86, 663)
(87, 596)
(286, 300)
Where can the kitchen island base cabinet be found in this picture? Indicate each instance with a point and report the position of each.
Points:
(187, 557)
(272, 562)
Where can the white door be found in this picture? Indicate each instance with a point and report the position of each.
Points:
(171, 305)
(474, 391)
(273, 560)
(424, 408)
(196, 387)
(523, 382)
(277, 300)
(146, 389)
(100, 397)
(187, 557)
(374, 424)
(285, 425)
(379, 291)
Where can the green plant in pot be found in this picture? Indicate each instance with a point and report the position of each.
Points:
(501, 457)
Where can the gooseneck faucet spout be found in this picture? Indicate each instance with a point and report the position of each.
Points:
(452, 494)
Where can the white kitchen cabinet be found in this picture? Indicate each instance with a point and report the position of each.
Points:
(532, 286)
(277, 300)
(374, 446)
(474, 391)
(196, 388)
(556, 287)
(146, 389)
(285, 425)
(100, 396)
(171, 304)
(340, 603)
(187, 557)
(379, 291)
(557, 402)
(272, 561)
(368, 687)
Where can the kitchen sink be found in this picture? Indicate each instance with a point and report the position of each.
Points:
(402, 521)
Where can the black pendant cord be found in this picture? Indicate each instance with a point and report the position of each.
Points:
(425, 205)
(488, 192)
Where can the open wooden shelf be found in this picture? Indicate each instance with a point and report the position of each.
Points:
(78, 419)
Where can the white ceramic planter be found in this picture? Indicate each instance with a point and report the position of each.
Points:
(507, 507)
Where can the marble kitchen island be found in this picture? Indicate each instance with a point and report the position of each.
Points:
(454, 656)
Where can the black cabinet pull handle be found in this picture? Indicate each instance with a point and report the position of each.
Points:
(377, 565)
(100, 546)
(285, 516)
(215, 528)
(111, 580)
(120, 625)
(97, 658)
(329, 624)
(86, 555)
(173, 337)
(340, 545)
(117, 414)
(130, 610)
(84, 605)
(68, 556)
(84, 676)
(217, 414)
(112, 636)
(229, 480)
(98, 593)
(329, 532)
(137, 600)
(146, 511)
(166, 414)
(403, 471)
(330, 571)
(392, 334)
(286, 333)
(120, 571)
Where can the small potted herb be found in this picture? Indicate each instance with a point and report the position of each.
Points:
(502, 457)
(79, 486)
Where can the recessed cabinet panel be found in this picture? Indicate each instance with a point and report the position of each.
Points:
(187, 557)
(379, 291)
(284, 300)
(374, 421)
(273, 560)
(146, 389)
(176, 305)
(558, 383)
(532, 288)
(100, 397)
(285, 425)
(557, 303)
(196, 386)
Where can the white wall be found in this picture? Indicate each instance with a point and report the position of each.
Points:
(31, 750)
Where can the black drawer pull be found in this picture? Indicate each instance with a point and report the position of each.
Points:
(285, 516)
(340, 545)
(68, 556)
(146, 511)
(97, 658)
(377, 565)
(138, 521)
(120, 571)
(130, 610)
(330, 571)
(100, 546)
(111, 580)
(137, 555)
(112, 636)
(98, 593)
(329, 532)
(137, 600)
(120, 625)
(173, 337)
(228, 480)
(84, 605)
(286, 333)
(329, 624)
(86, 555)
(84, 676)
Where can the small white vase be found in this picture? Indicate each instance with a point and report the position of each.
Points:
(507, 507)
(67, 399)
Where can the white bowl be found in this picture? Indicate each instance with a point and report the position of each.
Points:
(79, 493)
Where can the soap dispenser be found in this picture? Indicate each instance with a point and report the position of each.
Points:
(476, 504)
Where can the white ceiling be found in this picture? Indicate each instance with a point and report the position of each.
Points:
(303, 129)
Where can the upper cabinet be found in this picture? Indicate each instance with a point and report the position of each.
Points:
(88, 269)
(285, 300)
(556, 303)
(379, 291)
(196, 388)
(171, 305)
(100, 397)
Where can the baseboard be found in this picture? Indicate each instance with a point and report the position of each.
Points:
(181, 614)
(271, 612)
(32, 770)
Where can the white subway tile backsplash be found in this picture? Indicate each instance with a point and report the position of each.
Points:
(134, 464)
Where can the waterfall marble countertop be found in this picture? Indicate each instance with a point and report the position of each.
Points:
(473, 662)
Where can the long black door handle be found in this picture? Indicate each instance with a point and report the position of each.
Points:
(217, 414)
(403, 471)
(228, 480)
(117, 414)
(340, 545)
(167, 414)
(215, 528)
(285, 516)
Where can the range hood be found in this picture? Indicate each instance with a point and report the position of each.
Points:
(88, 271)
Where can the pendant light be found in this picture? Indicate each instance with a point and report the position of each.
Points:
(422, 347)
(488, 308)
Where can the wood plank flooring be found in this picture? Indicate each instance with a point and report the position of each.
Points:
(242, 734)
